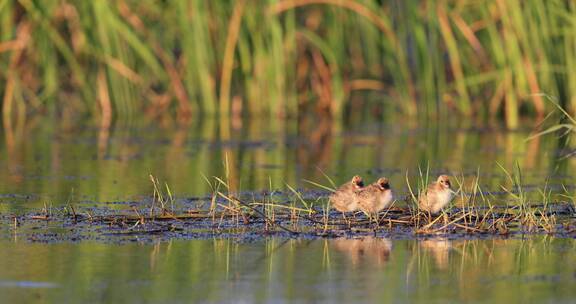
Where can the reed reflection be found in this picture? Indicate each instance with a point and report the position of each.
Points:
(368, 269)
(264, 153)
(315, 148)
(13, 136)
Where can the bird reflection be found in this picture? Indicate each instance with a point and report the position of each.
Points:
(367, 249)
(439, 249)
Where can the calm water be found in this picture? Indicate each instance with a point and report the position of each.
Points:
(52, 164)
(275, 270)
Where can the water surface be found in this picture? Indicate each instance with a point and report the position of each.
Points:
(51, 165)
(538, 269)
(55, 165)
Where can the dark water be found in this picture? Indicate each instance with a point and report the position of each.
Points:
(275, 270)
(54, 165)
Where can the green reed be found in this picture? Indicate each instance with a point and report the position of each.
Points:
(176, 58)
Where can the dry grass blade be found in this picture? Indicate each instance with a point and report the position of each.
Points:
(270, 221)
(320, 185)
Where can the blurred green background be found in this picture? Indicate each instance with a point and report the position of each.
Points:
(277, 89)
(175, 60)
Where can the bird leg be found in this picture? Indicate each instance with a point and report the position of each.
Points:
(346, 219)
(376, 221)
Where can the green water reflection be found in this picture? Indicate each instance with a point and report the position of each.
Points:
(340, 270)
(50, 161)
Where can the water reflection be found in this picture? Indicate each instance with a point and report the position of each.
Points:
(438, 249)
(370, 250)
(107, 163)
(271, 270)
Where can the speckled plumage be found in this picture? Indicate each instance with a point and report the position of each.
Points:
(375, 197)
(436, 196)
(345, 199)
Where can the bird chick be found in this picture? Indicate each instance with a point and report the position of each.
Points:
(375, 197)
(436, 196)
(345, 199)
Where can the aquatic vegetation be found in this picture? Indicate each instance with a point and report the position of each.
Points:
(160, 197)
(239, 219)
(284, 57)
(567, 124)
(237, 215)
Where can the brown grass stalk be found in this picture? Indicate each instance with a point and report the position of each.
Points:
(228, 60)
